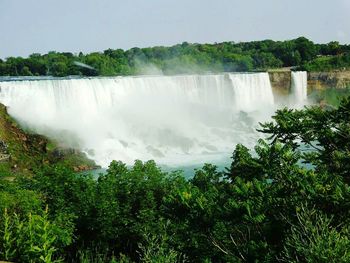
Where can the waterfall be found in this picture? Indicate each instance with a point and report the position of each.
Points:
(251, 91)
(299, 86)
(172, 119)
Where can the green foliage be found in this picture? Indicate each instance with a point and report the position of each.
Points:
(332, 97)
(62, 189)
(156, 250)
(33, 239)
(70, 196)
(314, 239)
(8, 240)
(185, 58)
(328, 63)
(18, 200)
(324, 131)
(129, 203)
(286, 201)
(95, 256)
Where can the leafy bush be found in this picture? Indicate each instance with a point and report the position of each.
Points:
(34, 239)
(288, 201)
(315, 239)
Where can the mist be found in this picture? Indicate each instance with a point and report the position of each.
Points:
(174, 120)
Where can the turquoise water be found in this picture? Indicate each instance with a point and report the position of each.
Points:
(188, 171)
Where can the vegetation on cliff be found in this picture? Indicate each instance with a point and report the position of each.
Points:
(288, 202)
(185, 58)
(22, 153)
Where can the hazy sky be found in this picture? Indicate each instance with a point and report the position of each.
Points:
(28, 26)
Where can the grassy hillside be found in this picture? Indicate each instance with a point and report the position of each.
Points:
(21, 153)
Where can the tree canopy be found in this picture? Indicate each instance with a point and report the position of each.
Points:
(289, 201)
(185, 58)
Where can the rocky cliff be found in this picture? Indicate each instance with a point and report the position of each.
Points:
(333, 79)
(22, 152)
(281, 80)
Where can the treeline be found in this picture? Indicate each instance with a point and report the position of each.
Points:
(289, 202)
(300, 53)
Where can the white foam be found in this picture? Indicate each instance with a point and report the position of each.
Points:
(172, 119)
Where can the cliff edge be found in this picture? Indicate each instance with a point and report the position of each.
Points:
(21, 152)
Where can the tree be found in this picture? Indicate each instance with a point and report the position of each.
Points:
(306, 48)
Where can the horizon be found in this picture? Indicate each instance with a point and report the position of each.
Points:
(40, 26)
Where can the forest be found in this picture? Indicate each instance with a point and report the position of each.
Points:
(286, 202)
(300, 54)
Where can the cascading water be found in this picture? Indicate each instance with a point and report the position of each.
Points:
(172, 119)
(299, 87)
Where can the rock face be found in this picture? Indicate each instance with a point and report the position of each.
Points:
(324, 80)
(4, 154)
(280, 81)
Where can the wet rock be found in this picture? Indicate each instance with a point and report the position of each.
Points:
(3, 147)
(60, 153)
(82, 168)
(4, 157)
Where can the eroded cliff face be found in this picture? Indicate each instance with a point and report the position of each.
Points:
(324, 80)
(281, 81)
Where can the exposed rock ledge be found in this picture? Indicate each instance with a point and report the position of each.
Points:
(333, 79)
(281, 80)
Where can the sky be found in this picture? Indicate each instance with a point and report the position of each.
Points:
(39, 26)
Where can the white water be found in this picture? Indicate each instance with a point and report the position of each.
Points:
(174, 120)
(299, 87)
